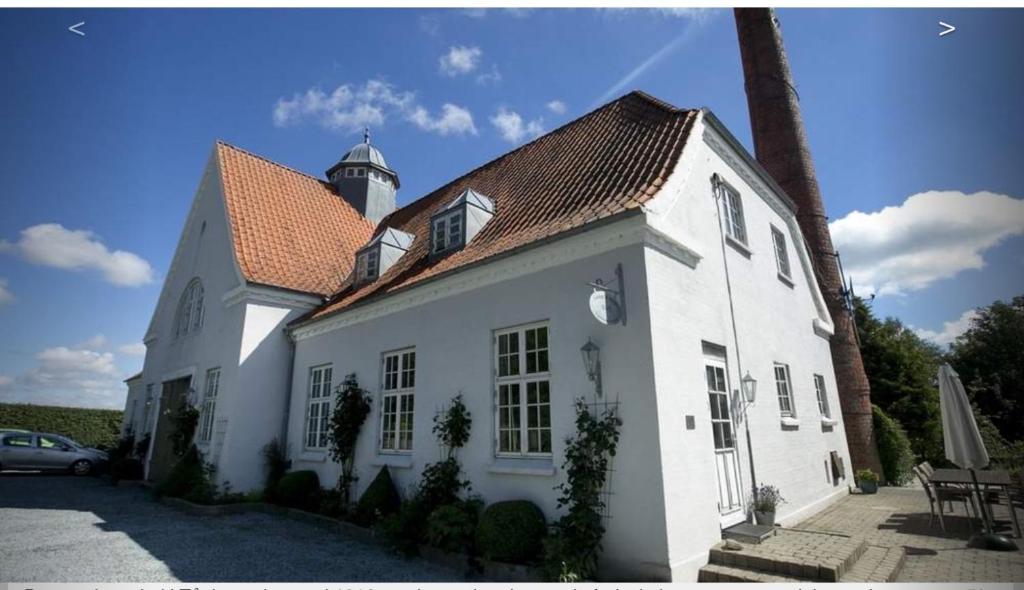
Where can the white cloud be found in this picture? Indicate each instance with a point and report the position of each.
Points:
(700, 15)
(557, 107)
(51, 244)
(929, 237)
(96, 342)
(430, 24)
(492, 77)
(460, 60)
(454, 120)
(68, 377)
(5, 294)
(482, 12)
(134, 349)
(347, 108)
(950, 330)
(512, 128)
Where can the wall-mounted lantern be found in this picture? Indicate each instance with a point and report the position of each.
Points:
(592, 363)
(749, 387)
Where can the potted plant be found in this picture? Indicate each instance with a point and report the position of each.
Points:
(765, 502)
(867, 481)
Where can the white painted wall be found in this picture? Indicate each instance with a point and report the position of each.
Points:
(453, 340)
(775, 323)
(134, 406)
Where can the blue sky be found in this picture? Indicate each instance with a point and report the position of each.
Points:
(104, 138)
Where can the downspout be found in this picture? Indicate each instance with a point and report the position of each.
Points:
(716, 182)
(288, 396)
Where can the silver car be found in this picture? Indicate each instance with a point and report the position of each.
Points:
(47, 452)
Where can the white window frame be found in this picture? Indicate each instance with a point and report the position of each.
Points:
(449, 231)
(368, 264)
(784, 390)
(822, 393)
(360, 172)
(522, 380)
(209, 408)
(781, 253)
(350, 172)
(397, 401)
(735, 222)
(318, 407)
(189, 316)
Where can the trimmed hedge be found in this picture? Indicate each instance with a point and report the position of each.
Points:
(511, 531)
(299, 489)
(379, 500)
(92, 428)
(894, 449)
(188, 480)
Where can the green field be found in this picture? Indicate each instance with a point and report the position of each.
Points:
(93, 428)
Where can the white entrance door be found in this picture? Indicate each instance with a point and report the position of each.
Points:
(730, 504)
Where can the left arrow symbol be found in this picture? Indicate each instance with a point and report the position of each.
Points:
(74, 29)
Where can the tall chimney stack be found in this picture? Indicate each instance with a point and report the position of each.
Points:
(780, 145)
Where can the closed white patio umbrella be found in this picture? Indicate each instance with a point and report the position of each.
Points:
(966, 449)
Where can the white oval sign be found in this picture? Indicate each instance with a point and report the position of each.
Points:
(604, 307)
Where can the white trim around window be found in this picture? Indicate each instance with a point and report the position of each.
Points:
(209, 408)
(822, 394)
(522, 391)
(318, 407)
(397, 401)
(781, 255)
(784, 390)
(735, 226)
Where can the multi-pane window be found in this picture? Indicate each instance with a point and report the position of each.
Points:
(819, 390)
(734, 224)
(209, 404)
(190, 309)
(398, 400)
(718, 396)
(368, 264)
(448, 231)
(523, 389)
(781, 253)
(318, 407)
(784, 389)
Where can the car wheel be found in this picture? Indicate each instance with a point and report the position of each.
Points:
(81, 467)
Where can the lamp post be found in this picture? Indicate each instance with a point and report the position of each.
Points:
(592, 363)
(749, 386)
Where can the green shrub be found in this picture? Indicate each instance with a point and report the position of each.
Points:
(276, 464)
(128, 469)
(299, 489)
(866, 475)
(125, 447)
(453, 527)
(380, 499)
(441, 484)
(893, 448)
(511, 531)
(332, 503)
(92, 428)
(404, 529)
(189, 479)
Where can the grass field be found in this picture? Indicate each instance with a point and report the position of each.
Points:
(94, 428)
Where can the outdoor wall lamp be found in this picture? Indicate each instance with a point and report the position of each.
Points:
(749, 387)
(592, 363)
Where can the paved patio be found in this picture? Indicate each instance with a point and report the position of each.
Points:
(899, 517)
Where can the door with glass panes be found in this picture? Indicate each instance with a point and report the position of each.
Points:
(730, 504)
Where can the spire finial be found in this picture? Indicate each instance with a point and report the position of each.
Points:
(366, 135)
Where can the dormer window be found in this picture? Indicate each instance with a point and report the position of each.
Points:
(448, 231)
(457, 223)
(380, 254)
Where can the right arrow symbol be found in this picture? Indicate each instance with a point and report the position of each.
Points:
(948, 29)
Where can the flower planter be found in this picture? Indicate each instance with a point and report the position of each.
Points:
(765, 518)
(868, 487)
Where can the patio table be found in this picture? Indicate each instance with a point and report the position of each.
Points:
(993, 478)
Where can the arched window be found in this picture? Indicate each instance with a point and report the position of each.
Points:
(190, 309)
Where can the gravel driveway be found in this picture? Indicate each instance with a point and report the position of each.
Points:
(66, 529)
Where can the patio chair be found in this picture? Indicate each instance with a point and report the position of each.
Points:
(939, 494)
(926, 468)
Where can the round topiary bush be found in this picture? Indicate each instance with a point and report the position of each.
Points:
(299, 489)
(511, 531)
(379, 500)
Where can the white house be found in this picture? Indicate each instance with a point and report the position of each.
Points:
(284, 283)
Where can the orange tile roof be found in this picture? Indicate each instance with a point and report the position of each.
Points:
(289, 229)
(607, 162)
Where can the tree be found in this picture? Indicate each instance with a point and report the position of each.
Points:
(351, 407)
(989, 357)
(901, 368)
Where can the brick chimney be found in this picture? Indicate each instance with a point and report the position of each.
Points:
(780, 145)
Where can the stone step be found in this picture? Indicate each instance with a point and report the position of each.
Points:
(803, 555)
(723, 573)
(877, 564)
